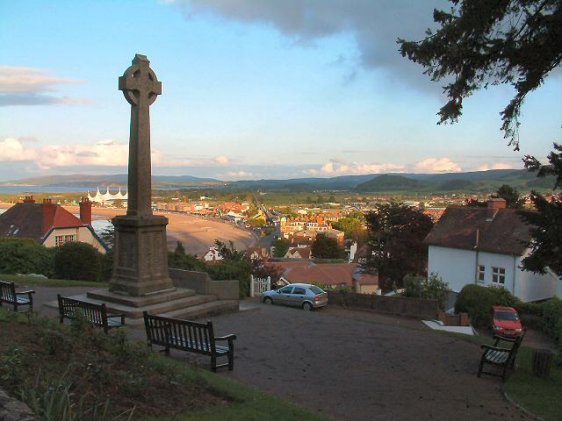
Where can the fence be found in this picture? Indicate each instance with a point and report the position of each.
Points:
(403, 306)
(259, 285)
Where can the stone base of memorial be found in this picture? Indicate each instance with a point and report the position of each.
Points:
(141, 256)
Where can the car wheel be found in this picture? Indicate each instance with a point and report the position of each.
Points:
(307, 306)
(268, 300)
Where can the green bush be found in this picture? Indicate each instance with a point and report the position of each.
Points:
(552, 319)
(432, 288)
(25, 256)
(232, 269)
(78, 261)
(477, 301)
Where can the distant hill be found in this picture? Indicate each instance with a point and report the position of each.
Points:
(468, 182)
(389, 182)
(93, 181)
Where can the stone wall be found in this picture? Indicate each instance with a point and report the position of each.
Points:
(202, 283)
(401, 306)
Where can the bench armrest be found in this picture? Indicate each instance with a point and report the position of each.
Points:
(117, 315)
(30, 291)
(230, 337)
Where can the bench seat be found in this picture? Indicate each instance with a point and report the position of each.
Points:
(500, 357)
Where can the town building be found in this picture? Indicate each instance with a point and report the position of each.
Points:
(485, 246)
(50, 224)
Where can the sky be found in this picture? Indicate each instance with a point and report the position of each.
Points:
(252, 89)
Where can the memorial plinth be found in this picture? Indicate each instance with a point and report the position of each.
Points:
(140, 265)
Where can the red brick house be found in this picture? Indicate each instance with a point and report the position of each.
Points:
(50, 224)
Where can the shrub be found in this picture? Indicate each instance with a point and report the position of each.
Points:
(25, 256)
(477, 301)
(552, 318)
(432, 288)
(78, 261)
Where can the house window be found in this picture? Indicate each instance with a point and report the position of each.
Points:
(498, 276)
(61, 239)
(481, 273)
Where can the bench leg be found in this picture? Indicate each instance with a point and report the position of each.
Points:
(231, 359)
(214, 363)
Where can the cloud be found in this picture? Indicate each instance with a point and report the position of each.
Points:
(495, 166)
(104, 153)
(437, 165)
(239, 174)
(11, 149)
(336, 167)
(222, 160)
(30, 86)
(375, 26)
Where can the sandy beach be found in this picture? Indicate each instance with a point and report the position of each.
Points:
(196, 233)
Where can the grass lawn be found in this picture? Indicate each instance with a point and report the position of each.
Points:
(36, 280)
(542, 397)
(74, 372)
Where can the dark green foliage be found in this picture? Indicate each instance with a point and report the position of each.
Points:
(25, 256)
(353, 227)
(107, 265)
(546, 249)
(511, 196)
(430, 288)
(326, 248)
(396, 234)
(552, 318)
(180, 260)
(235, 265)
(280, 247)
(480, 43)
(78, 261)
(232, 269)
(477, 301)
(388, 182)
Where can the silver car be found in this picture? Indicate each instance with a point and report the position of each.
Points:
(306, 296)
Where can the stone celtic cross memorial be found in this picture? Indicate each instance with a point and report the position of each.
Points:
(140, 264)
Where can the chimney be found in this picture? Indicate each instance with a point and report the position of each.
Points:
(49, 209)
(497, 203)
(28, 199)
(86, 211)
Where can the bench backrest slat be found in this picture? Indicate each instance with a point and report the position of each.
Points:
(7, 291)
(184, 334)
(95, 314)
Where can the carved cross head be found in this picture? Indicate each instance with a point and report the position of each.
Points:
(139, 84)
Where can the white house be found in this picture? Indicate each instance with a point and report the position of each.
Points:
(485, 246)
(213, 255)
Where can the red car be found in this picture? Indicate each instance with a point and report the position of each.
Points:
(505, 322)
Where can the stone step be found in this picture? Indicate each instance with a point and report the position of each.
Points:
(143, 301)
(210, 308)
(135, 313)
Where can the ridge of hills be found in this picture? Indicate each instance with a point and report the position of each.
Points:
(470, 182)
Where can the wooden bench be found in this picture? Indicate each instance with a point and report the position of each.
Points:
(189, 336)
(17, 300)
(95, 314)
(502, 358)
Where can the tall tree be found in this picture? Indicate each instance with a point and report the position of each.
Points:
(396, 234)
(511, 196)
(518, 42)
(481, 43)
(326, 248)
